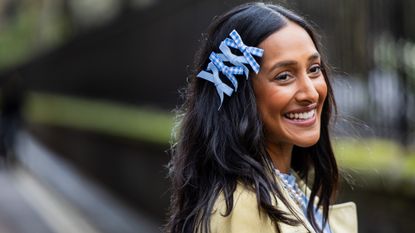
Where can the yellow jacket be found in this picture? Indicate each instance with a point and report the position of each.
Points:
(246, 218)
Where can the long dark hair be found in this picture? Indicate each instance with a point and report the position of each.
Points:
(215, 149)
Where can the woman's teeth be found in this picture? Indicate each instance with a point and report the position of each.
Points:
(301, 115)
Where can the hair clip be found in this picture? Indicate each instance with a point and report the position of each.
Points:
(221, 88)
(247, 51)
(217, 65)
(227, 71)
(227, 55)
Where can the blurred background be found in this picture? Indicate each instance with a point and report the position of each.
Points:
(87, 89)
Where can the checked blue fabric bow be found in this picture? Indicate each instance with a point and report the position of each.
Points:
(213, 77)
(232, 58)
(230, 72)
(217, 64)
(247, 51)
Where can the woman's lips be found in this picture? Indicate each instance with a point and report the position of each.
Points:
(303, 119)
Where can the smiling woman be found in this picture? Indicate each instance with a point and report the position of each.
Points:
(253, 132)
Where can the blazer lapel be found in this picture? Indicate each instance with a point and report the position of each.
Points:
(305, 226)
(342, 217)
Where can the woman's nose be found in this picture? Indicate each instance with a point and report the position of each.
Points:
(307, 91)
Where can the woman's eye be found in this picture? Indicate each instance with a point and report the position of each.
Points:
(283, 76)
(315, 69)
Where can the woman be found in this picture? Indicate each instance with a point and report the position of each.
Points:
(254, 131)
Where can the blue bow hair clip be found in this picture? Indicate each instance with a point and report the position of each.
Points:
(221, 87)
(228, 71)
(247, 51)
(217, 65)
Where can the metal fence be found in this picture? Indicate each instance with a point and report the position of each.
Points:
(379, 106)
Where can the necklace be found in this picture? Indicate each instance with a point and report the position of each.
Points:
(290, 184)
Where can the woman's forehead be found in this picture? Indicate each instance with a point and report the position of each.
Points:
(290, 42)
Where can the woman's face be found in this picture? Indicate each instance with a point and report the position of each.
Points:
(290, 88)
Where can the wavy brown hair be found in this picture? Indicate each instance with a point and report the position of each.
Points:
(215, 149)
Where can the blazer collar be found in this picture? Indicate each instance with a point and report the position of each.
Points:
(305, 226)
(338, 214)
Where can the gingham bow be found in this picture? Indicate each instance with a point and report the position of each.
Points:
(232, 58)
(247, 51)
(213, 77)
(217, 65)
(228, 71)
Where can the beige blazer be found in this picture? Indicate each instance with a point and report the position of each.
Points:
(246, 218)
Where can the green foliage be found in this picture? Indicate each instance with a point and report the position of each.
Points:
(409, 167)
(145, 124)
(369, 155)
(16, 38)
(30, 31)
(377, 164)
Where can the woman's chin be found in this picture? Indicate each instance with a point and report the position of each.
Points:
(307, 141)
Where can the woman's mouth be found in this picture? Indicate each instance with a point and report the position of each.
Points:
(304, 119)
(301, 116)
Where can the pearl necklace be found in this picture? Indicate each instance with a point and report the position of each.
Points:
(293, 190)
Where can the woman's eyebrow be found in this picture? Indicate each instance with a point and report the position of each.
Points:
(312, 57)
(283, 64)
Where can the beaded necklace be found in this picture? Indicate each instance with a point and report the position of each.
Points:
(289, 183)
(292, 188)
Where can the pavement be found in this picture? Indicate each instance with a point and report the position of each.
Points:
(42, 194)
